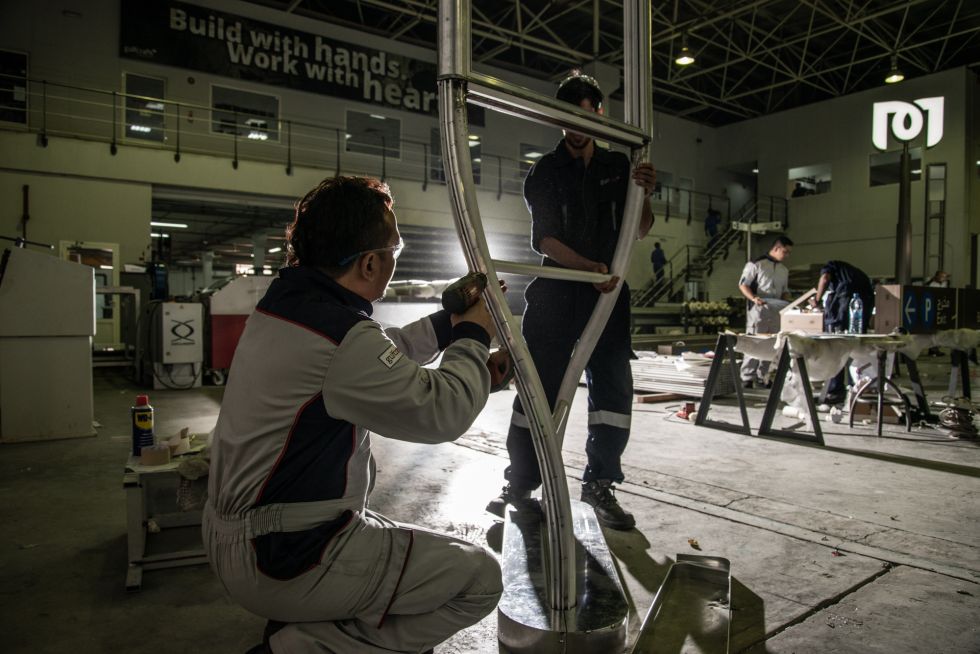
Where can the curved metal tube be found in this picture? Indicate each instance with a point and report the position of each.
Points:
(637, 112)
(561, 541)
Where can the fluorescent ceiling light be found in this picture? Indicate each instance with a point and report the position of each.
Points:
(379, 116)
(274, 250)
(154, 223)
(917, 171)
(755, 170)
(258, 136)
(155, 235)
(532, 155)
(143, 129)
(474, 144)
(155, 106)
(105, 267)
(474, 137)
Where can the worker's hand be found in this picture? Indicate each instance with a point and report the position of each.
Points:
(479, 314)
(759, 302)
(501, 370)
(645, 175)
(603, 287)
(813, 302)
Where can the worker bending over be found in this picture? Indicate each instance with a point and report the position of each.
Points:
(286, 525)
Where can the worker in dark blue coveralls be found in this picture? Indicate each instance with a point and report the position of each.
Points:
(840, 281)
(576, 195)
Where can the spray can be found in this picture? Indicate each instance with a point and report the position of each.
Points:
(142, 414)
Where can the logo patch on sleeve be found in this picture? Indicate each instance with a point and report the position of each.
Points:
(390, 356)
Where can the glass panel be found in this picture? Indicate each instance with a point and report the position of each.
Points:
(809, 180)
(885, 167)
(145, 113)
(373, 134)
(529, 156)
(252, 115)
(13, 87)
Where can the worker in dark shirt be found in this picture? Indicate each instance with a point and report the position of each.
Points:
(576, 195)
(841, 281)
(659, 259)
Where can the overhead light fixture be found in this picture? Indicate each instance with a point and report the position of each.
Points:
(686, 57)
(474, 137)
(154, 223)
(532, 155)
(755, 170)
(274, 250)
(155, 235)
(894, 75)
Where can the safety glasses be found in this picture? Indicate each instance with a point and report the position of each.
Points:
(395, 250)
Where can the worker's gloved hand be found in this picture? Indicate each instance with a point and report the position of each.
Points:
(479, 314)
(501, 370)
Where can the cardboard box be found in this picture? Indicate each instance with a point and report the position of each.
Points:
(794, 318)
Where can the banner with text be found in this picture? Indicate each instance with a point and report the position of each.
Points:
(188, 36)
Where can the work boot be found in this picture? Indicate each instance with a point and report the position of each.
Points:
(520, 498)
(599, 494)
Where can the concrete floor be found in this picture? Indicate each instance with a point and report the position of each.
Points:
(866, 545)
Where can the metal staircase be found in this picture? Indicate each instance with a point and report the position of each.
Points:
(694, 268)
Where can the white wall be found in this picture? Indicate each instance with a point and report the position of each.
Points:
(854, 221)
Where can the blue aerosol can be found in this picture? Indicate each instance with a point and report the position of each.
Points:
(142, 414)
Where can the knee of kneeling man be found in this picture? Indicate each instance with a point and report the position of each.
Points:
(487, 577)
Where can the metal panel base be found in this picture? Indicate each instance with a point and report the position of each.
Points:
(525, 622)
(692, 609)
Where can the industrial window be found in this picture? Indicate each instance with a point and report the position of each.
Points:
(145, 109)
(885, 167)
(529, 156)
(252, 115)
(808, 180)
(437, 172)
(374, 134)
(13, 87)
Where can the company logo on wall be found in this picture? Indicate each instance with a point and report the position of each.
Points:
(184, 35)
(907, 121)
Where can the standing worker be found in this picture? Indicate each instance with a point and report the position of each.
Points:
(765, 285)
(576, 195)
(286, 524)
(841, 282)
(659, 259)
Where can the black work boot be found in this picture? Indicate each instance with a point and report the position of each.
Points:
(599, 494)
(519, 497)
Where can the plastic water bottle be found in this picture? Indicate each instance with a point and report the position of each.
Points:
(142, 414)
(855, 323)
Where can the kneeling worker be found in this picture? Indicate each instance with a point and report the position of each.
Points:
(286, 525)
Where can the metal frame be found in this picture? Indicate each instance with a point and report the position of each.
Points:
(457, 84)
(724, 348)
(772, 404)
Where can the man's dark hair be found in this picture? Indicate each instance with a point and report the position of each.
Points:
(656, 245)
(783, 240)
(578, 87)
(338, 218)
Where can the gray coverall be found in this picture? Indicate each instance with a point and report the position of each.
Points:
(769, 280)
(286, 525)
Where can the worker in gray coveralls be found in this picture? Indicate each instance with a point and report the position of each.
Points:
(765, 285)
(286, 524)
